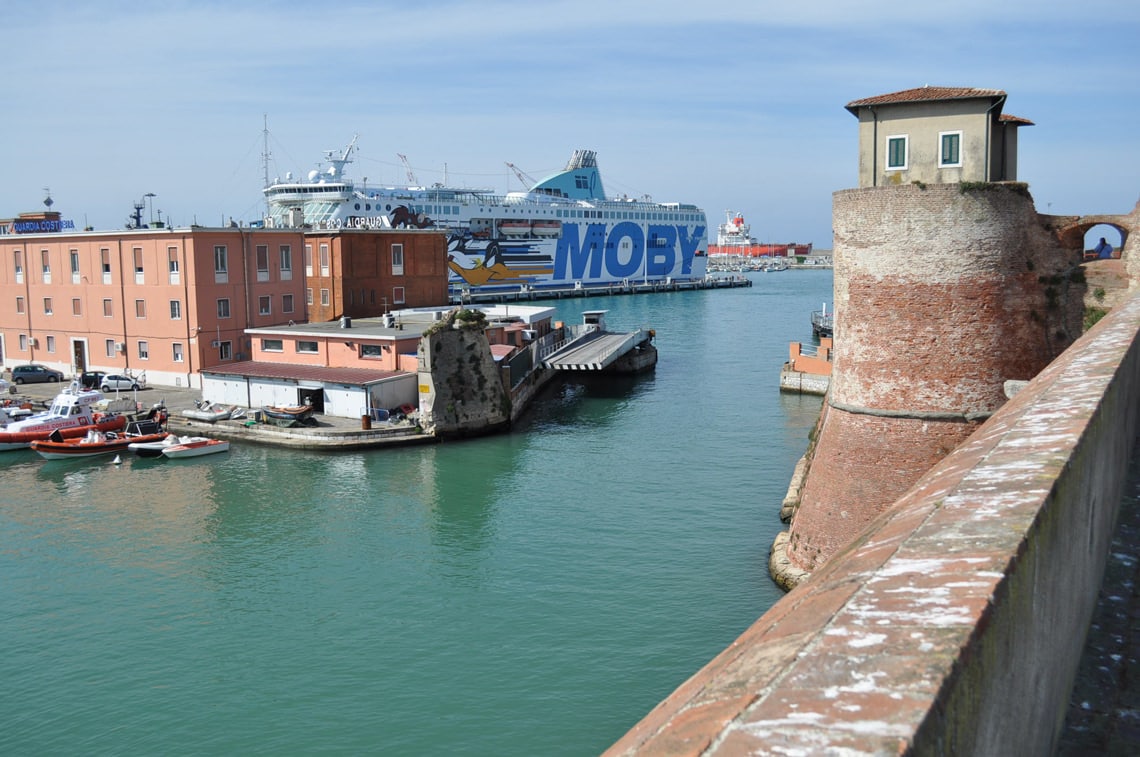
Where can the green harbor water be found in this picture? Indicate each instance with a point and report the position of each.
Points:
(534, 593)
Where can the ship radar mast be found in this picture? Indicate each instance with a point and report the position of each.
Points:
(337, 161)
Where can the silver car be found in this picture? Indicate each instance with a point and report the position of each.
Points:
(118, 381)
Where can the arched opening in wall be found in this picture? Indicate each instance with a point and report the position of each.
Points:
(1103, 242)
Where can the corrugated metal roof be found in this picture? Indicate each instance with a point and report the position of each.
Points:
(257, 369)
(924, 94)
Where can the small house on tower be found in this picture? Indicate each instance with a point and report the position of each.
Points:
(936, 135)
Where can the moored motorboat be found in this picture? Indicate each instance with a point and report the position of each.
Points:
(155, 448)
(196, 447)
(73, 413)
(97, 442)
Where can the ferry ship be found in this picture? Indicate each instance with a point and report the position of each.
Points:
(561, 233)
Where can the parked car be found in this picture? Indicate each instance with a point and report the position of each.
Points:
(117, 381)
(35, 374)
(91, 379)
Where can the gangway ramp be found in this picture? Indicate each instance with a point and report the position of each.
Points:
(595, 351)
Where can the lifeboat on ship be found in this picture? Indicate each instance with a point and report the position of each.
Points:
(514, 228)
(547, 228)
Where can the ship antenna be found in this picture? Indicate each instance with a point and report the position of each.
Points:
(265, 154)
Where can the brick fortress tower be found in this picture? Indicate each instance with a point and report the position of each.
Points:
(947, 284)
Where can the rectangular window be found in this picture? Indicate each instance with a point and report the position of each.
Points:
(286, 263)
(23, 342)
(398, 295)
(51, 344)
(263, 305)
(144, 350)
(18, 263)
(324, 259)
(397, 260)
(45, 265)
(140, 308)
(226, 351)
(897, 153)
(308, 296)
(108, 308)
(371, 350)
(176, 352)
(76, 306)
(272, 345)
(308, 260)
(221, 260)
(950, 154)
(137, 255)
(224, 308)
(47, 306)
(105, 264)
(286, 303)
(73, 255)
(324, 297)
(262, 256)
(172, 267)
(20, 305)
(110, 347)
(176, 310)
(307, 347)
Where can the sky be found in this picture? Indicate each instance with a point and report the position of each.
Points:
(735, 105)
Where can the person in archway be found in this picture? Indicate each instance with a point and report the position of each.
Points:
(1103, 250)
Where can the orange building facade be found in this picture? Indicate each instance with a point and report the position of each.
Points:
(169, 302)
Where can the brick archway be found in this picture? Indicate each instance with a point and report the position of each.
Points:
(1072, 235)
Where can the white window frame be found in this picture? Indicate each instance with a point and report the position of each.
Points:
(906, 152)
(941, 138)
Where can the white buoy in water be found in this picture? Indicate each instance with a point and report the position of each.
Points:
(117, 461)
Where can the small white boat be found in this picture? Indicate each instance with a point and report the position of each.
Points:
(210, 412)
(155, 448)
(196, 448)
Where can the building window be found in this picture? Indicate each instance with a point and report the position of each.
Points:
(105, 264)
(324, 260)
(263, 305)
(140, 308)
(286, 262)
(308, 296)
(172, 264)
(286, 303)
(19, 265)
(108, 308)
(176, 310)
(51, 344)
(398, 295)
(371, 350)
(23, 342)
(262, 254)
(76, 306)
(397, 260)
(223, 308)
(110, 347)
(308, 260)
(20, 305)
(47, 306)
(144, 350)
(221, 260)
(897, 153)
(272, 345)
(324, 297)
(74, 256)
(45, 265)
(225, 351)
(307, 347)
(137, 254)
(950, 154)
(176, 352)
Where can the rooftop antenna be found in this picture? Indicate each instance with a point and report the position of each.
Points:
(265, 154)
(48, 202)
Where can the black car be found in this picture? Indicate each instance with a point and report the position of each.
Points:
(35, 374)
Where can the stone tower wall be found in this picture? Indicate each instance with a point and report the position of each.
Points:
(942, 293)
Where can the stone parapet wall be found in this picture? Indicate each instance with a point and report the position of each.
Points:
(954, 623)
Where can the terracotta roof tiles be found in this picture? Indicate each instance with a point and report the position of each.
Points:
(925, 94)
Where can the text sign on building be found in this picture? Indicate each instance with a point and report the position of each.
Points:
(40, 226)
